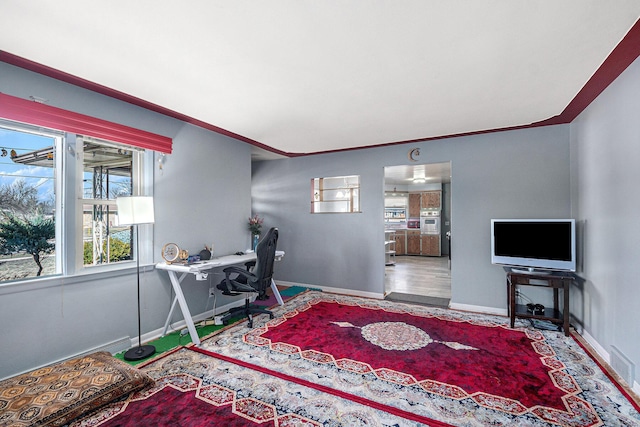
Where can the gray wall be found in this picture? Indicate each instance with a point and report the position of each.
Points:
(605, 150)
(202, 195)
(513, 174)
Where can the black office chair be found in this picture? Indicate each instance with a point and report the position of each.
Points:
(257, 280)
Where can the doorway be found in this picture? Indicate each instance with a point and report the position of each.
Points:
(419, 268)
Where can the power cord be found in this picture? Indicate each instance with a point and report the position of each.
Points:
(213, 293)
(520, 296)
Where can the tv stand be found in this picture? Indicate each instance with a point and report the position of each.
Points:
(549, 279)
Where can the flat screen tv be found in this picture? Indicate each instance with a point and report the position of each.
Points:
(534, 244)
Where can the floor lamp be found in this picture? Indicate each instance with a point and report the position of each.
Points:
(136, 210)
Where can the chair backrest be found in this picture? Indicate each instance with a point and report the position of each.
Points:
(265, 257)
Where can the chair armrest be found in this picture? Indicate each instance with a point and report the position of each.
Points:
(240, 271)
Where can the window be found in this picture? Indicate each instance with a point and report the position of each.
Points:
(337, 194)
(40, 169)
(29, 202)
(108, 171)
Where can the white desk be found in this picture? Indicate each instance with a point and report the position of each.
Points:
(200, 267)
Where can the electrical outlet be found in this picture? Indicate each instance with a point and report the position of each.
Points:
(212, 292)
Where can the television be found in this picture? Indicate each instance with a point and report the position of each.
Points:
(534, 244)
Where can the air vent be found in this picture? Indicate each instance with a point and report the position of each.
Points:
(622, 365)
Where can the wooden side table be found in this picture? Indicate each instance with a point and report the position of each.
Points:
(554, 280)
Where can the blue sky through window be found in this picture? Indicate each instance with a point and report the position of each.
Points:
(38, 176)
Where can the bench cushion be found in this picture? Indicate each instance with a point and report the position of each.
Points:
(56, 394)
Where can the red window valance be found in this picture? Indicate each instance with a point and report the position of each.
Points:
(35, 113)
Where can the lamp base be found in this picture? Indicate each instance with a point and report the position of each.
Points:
(139, 353)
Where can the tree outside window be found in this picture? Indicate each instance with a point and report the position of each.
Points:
(27, 203)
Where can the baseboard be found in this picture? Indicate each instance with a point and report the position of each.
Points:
(596, 346)
(479, 309)
(113, 347)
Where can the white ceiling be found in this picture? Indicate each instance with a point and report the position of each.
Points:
(303, 76)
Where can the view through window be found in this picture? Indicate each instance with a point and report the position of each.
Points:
(107, 173)
(28, 220)
(336, 194)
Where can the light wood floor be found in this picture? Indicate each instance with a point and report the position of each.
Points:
(417, 275)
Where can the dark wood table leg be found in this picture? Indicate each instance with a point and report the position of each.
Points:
(512, 301)
(565, 310)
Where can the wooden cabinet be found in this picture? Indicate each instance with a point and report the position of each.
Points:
(424, 200)
(430, 199)
(413, 243)
(414, 205)
(401, 243)
(430, 244)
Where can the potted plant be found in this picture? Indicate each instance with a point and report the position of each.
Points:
(255, 226)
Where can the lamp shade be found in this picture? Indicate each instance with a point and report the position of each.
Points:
(135, 210)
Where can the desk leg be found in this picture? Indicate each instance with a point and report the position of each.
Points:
(175, 282)
(276, 292)
(166, 323)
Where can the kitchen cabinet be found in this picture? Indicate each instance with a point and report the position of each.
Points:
(430, 244)
(401, 242)
(413, 243)
(430, 199)
(414, 205)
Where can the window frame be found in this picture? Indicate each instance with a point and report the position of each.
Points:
(142, 185)
(58, 138)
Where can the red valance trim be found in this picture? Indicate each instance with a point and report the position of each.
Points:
(35, 113)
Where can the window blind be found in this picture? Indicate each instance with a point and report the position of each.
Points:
(32, 112)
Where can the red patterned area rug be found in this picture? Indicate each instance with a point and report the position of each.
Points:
(442, 366)
(194, 389)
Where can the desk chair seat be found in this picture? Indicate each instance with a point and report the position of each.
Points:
(238, 280)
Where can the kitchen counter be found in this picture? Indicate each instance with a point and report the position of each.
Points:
(401, 229)
(409, 241)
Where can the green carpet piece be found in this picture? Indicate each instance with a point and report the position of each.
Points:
(295, 290)
(173, 340)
